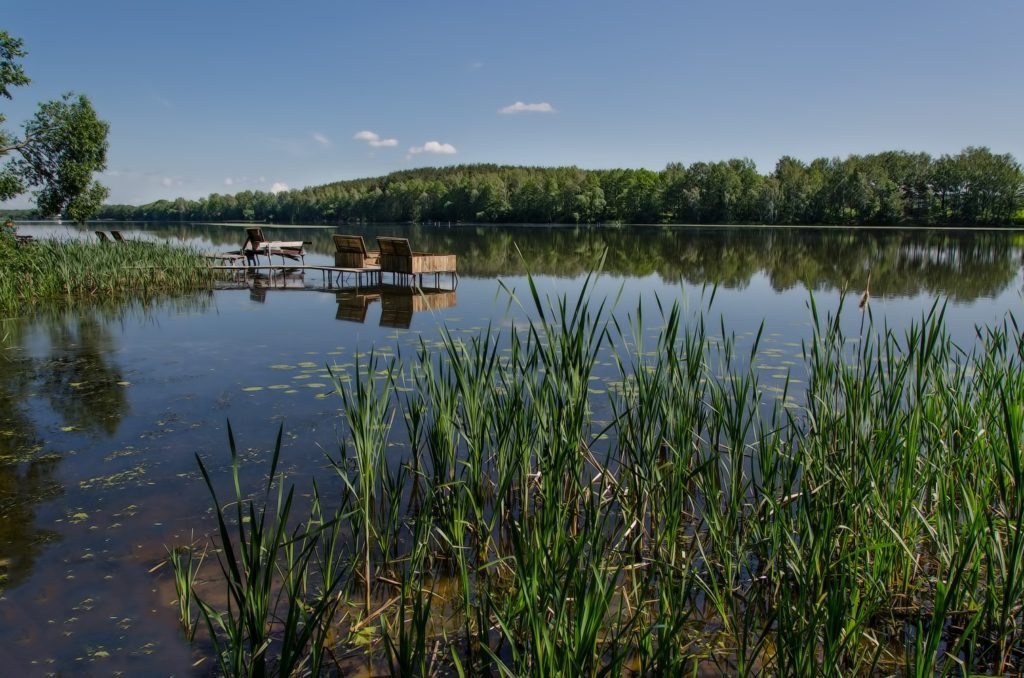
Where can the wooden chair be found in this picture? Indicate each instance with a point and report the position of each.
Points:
(104, 238)
(256, 243)
(398, 258)
(117, 236)
(253, 245)
(350, 252)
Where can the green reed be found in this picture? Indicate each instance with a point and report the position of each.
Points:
(867, 519)
(273, 622)
(185, 564)
(72, 271)
(368, 411)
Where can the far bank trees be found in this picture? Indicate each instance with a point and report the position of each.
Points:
(974, 187)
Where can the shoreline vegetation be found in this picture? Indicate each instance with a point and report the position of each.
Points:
(66, 272)
(866, 518)
(971, 188)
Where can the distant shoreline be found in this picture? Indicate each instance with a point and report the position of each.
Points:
(243, 224)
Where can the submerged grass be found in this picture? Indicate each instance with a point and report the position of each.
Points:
(875, 528)
(72, 271)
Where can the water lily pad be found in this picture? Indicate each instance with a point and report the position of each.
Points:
(364, 636)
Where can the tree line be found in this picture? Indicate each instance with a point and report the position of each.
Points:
(973, 187)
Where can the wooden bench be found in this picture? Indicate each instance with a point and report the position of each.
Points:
(256, 244)
(397, 257)
(350, 252)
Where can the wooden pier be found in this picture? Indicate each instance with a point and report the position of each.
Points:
(338, 276)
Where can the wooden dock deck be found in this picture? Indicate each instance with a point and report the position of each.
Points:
(333, 275)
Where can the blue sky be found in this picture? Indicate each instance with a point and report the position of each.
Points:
(212, 96)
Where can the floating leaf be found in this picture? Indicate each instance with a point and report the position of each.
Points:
(253, 388)
(364, 636)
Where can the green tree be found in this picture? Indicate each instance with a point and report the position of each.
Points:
(63, 145)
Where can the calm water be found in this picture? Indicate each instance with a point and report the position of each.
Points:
(102, 410)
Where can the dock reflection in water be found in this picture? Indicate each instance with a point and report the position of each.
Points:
(259, 283)
(398, 303)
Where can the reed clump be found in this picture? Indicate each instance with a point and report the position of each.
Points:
(71, 271)
(869, 520)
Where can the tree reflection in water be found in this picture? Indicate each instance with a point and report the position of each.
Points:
(962, 265)
(26, 474)
(55, 366)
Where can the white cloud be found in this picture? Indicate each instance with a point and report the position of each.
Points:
(476, 65)
(520, 107)
(228, 181)
(374, 139)
(278, 187)
(321, 139)
(434, 147)
(167, 182)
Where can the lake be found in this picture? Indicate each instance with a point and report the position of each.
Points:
(105, 407)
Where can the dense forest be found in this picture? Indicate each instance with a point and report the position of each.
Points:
(973, 187)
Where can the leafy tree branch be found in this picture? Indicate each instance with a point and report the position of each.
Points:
(63, 145)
